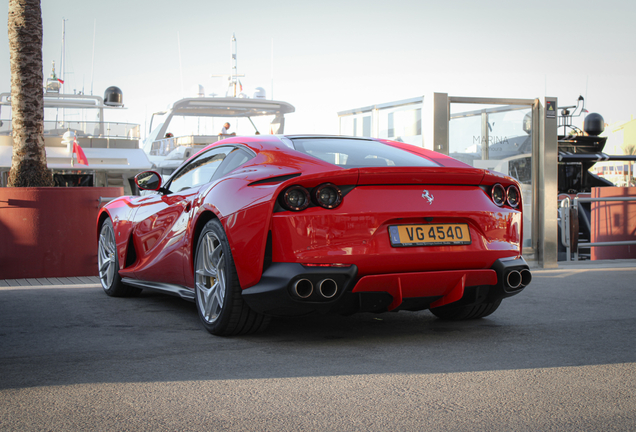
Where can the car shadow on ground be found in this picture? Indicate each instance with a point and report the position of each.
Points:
(62, 335)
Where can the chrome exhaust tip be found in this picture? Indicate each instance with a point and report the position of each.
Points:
(328, 288)
(303, 288)
(513, 279)
(526, 277)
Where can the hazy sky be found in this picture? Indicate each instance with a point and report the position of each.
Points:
(330, 56)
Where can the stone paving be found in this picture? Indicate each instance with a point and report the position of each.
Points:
(49, 281)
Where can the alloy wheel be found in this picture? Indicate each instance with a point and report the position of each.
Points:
(210, 277)
(106, 256)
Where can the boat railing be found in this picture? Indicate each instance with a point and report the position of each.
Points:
(83, 129)
(93, 129)
(162, 147)
(103, 200)
(565, 215)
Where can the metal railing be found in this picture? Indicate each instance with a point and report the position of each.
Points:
(92, 129)
(565, 224)
(104, 200)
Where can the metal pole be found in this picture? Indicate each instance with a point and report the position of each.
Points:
(565, 226)
(578, 212)
(485, 136)
(613, 243)
(441, 117)
(547, 186)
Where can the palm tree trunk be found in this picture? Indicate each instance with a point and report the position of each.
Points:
(28, 166)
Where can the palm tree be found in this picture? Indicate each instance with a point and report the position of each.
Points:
(629, 148)
(28, 166)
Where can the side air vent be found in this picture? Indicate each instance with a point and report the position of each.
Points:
(274, 180)
(131, 253)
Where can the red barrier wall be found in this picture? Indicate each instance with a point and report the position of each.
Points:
(613, 221)
(50, 232)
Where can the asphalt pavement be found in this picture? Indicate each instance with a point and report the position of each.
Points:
(559, 356)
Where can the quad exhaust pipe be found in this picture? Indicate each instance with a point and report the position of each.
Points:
(516, 279)
(328, 288)
(513, 279)
(304, 288)
(526, 277)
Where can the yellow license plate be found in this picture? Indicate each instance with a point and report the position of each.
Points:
(429, 235)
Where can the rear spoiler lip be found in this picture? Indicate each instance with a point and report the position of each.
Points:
(394, 176)
(420, 175)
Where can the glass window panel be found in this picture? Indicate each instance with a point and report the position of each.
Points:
(346, 126)
(401, 124)
(199, 171)
(366, 126)
(356, 153)
(496, 137)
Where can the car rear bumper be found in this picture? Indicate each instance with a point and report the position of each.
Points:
(291, 289)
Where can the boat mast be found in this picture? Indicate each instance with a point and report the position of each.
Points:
(93, 59)
(234, 76)
(63, 61)
(63, 68)
(180, 64)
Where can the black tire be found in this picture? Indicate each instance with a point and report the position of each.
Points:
(460, 313)
(108, 264)
(217, 291)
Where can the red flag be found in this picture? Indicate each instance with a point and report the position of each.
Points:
(61, 81)
(81, 157)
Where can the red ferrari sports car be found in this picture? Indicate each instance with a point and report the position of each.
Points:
(256, 227)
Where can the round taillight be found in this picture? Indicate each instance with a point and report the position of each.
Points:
(328, 196)
(514, 197)
(498, 194)
(295, 198)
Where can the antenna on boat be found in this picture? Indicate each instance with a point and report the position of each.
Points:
(93, 60)
(63, 59)
(234, 77)
(180, 66)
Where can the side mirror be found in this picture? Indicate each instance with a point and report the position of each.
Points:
(148, 180)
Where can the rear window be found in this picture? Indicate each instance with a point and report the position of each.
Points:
(358, 153)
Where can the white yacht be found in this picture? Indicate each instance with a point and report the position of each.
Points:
(193, 123)
(111, 148)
